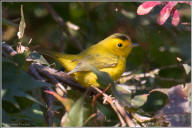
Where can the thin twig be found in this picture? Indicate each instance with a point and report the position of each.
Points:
(120, 111)
(140, 118)
(124, 114)
(48, 98)
(89, 118)
(62, 24)
(128, 76)
(110, 101)
(98, 95)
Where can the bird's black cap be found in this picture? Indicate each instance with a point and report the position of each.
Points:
(122, 37)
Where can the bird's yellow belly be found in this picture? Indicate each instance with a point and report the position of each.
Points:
(89, 78)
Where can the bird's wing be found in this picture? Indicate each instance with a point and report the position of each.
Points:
(97, 60)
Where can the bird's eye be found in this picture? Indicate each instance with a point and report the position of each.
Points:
(119, 45)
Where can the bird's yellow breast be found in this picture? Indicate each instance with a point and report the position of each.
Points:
(89, 78)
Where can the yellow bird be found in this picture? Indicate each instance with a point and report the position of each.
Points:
(109, 55)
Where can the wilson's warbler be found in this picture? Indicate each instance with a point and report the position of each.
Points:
(109, 55)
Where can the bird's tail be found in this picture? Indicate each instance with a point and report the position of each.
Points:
(66, 60)
(54, 55)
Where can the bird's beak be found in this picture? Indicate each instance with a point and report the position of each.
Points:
(135, 44)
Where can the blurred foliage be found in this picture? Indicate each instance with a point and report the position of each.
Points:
(159, 46)
(18, 101)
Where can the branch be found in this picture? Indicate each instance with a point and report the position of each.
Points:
(8, 50)
(61, 76)
(128, 75)
(51, 78)
(49, 73)
(124, 114)
(62, 25)
(120, 111)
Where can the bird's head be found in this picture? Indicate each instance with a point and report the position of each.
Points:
(119, 44)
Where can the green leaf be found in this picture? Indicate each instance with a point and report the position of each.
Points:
(155, 101)
(7, 60)
(103, 78)
(38, 58)
(107, 111)
(139, 100)
(16, 78)
(33, 115)
(75, 115)
(31, 82)
(20, 59)
(9, 96)
(123, 94)
(16, 82)
(27, 96)
(6, 118)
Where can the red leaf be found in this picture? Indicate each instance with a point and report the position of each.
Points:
(67, 103)
(146, 7)
(175, 18)
(165, 12)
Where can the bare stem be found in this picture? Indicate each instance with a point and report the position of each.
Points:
(120, 111)
(62, 24)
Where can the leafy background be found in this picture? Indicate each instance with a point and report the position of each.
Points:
(159, 46)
